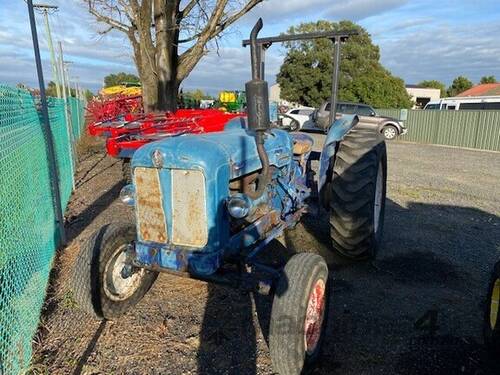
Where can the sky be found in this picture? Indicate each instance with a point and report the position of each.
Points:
(418, 40)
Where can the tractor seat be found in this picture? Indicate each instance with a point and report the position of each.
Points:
(302, 144)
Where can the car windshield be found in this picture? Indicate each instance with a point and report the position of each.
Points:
(432, 106)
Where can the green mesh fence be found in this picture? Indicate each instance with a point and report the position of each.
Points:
(28, 235)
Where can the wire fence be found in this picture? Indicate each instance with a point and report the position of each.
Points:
(28, 230)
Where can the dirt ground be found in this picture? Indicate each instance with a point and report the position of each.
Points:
(417, 309)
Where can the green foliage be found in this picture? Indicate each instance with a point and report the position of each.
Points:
(306, 74)
(89, 95)
(433, 84)
(459, 85)
(488, 79)
(119, 78)
(51, 89)
(197, 95)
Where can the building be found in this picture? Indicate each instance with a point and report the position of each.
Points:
(422, 95)
(486, 89)
(275, 96)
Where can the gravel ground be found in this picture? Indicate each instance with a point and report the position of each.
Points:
(417, 309)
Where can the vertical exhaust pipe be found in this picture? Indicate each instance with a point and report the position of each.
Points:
(258, 111)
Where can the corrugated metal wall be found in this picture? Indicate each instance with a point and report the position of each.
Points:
(474, 129)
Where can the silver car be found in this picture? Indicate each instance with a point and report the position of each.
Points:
(388, 126)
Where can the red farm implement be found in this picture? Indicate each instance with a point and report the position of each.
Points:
(108, 109)
(127, 136)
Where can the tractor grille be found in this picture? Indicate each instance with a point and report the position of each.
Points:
(151, 222)
(189, 224)
(189, 214)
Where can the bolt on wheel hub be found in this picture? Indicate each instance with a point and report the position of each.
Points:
(121, 279)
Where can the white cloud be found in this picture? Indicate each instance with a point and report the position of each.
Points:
(444, 52)
(415, 42)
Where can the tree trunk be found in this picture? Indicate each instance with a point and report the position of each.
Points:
(167, 40)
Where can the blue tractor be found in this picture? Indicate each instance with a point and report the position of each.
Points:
(207, 205)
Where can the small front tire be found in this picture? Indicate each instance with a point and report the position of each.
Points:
(299, 314)
(104, 284)
(492, 313)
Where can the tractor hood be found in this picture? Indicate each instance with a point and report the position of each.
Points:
(234, 147)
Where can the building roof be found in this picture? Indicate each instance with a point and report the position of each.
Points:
(486, 89)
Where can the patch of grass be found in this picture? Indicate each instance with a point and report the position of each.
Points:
(88, 145)
(416, 192)
(68, 301)
(408, 192)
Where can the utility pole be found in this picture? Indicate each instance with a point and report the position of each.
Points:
(51, 153)
(66, 72)
(77, 97)
(67, 116)
(44, 8)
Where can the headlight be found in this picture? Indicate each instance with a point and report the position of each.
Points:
(127, 195)
(239, 206)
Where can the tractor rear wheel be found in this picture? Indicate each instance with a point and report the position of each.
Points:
(104, 284)
(357, 194)
(492, 313)
(299, 314)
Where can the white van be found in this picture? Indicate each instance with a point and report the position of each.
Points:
(465, 103)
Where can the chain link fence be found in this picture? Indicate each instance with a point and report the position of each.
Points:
(28, 230)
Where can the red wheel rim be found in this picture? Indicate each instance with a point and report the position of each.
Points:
(314, 316)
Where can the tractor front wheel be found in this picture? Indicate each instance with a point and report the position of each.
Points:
(299, 314)
(126, 171)
(492, 313)
(357, 194)
(104, 283)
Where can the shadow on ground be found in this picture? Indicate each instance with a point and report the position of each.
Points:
(369, 323)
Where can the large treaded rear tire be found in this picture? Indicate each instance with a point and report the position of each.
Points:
(356, 226)
(90, 273)
(302, 276)
(492, 313)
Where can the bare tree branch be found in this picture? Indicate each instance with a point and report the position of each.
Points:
(188, 8)
(102, 18)
(155, 37)
(214, 27)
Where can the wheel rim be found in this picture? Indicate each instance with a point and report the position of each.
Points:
(494, 306)
(314, 317)
(116, 286)
(379, 189)
(389, 132)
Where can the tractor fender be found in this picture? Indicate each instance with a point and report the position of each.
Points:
(336, 133)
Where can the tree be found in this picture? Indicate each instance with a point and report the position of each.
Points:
(119, 78)
(196, 94)
(157, 28)
(51, 89)
(433, 84)
(306, 74)
(459, 85)
(488, 79)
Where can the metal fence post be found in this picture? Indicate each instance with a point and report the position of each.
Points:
(51, 154)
